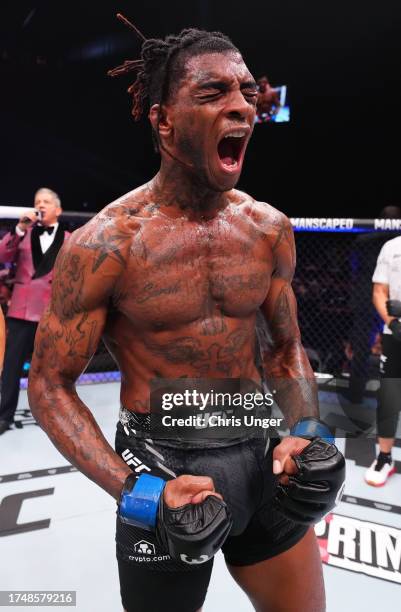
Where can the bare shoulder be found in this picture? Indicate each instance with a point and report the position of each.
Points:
(278, 231)
(273, 222)
(106, 239)
(92, 261)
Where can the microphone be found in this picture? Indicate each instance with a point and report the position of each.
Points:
(29, 220)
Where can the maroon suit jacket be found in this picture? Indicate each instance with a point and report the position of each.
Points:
(34, 272)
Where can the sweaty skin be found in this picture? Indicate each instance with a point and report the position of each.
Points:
(172, 295)
(171, 276)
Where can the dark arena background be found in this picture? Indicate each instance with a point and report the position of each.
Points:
(330, 162)
(64, 122)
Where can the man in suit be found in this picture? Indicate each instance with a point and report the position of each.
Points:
(33, 246)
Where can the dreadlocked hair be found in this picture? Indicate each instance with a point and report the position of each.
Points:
(162, 64)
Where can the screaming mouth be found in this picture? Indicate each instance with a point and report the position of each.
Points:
(230, 148)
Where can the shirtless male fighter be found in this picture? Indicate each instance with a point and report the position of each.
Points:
(171, 276)
(268, 100)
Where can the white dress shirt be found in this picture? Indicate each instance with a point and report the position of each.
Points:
(388, 270)
(46, 240)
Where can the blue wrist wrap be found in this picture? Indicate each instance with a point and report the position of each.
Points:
(312, 428)
(139, 506)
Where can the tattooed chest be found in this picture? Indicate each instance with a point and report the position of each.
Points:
(170, 283)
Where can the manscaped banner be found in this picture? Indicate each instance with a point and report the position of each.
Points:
(326, 224)
(360, 546)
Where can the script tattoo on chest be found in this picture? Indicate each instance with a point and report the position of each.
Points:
(181, 271)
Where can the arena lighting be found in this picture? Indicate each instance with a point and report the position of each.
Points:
(105, 46)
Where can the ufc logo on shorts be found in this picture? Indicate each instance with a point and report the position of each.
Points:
(134, 461)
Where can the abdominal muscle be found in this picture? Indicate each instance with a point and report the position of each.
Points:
(203, 349)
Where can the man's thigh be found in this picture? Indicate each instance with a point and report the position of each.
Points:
(290, 582)
(146, 590)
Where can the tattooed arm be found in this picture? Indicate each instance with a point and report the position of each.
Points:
(85, 273)
(286, 364)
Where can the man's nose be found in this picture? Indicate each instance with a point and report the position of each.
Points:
(238, 107)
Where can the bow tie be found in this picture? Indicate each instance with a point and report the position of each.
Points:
(41, 229)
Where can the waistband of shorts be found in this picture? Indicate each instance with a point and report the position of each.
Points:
(135, 422)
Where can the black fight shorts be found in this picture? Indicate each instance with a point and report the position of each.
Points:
(242, 472)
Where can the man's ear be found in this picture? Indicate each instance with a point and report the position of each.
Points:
(160, 120)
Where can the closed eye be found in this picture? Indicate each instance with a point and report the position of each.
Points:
(211, 92)
(251, 96)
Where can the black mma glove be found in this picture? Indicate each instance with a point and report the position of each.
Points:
(317, 487)
(394, 308)
(195, 532)
(192, 533)
(395, 327)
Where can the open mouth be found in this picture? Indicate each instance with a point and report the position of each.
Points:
(230, 150)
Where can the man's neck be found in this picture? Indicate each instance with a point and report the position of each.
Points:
(177, 191)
